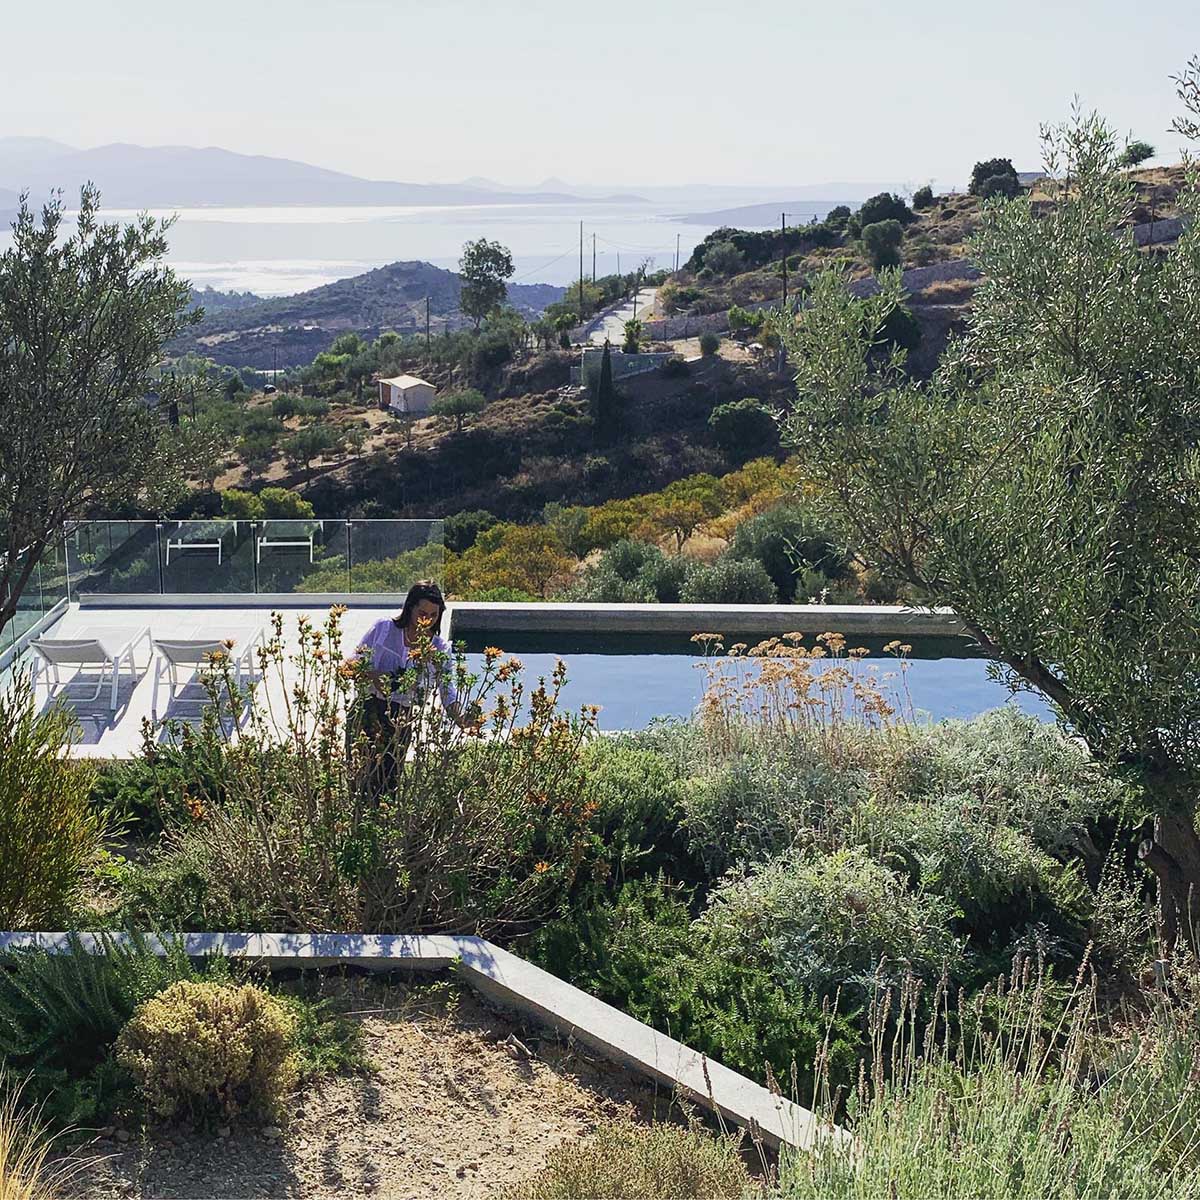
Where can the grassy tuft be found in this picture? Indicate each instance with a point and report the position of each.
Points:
(629, 1162)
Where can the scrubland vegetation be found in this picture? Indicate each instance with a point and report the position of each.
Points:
(972, 944)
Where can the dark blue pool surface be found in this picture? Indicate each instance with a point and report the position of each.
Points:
(635, 677)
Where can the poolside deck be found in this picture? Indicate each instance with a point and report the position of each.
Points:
(106, 733)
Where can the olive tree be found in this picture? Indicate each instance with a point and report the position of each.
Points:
(83, 319)
(1045, 483)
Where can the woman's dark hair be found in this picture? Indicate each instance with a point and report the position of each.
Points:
(423, 589)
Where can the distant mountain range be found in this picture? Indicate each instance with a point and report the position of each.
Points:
(136, 177)
(241, 330)
(182, 176)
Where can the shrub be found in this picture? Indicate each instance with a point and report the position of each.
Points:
(283, 504)
(994, 876)
(506, 595)
(633, 337)
(477, 832)
(881, 242)
(837, 216)
(207, 1049)
(642, 953)
(240, 505)
(49, 833)
(964, 1114)
(1134, 154)
(999, 169)
(786, 539)
(61, 1013)
(823, 921)
(675, 367)
(636, 793)
(756, 804)
(459, 530)
(723, 258)
(744, 429)
(666, 576)
(632, 1162)
(626, 558)
(900, 330)
(885, 206)
(709, 344)
(923, 198)
(999, 185)
(729, 581)
(742, 321)
(1023, 774)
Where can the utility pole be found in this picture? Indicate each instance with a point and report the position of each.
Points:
(783, 246)
(581, 270)
(593, 258)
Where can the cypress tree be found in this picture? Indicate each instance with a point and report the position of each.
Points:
(603, 395)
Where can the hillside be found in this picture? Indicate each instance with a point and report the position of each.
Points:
(739, 266)
(292, 330)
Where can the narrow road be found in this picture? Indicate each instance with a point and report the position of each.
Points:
(612, 326)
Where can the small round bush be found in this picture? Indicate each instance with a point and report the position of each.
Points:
(631, 1162)
(666, 576)
(999, 185)
(730, 582)
(785, 540)
(210, 1049)
(709, 344)
(674, 367)
(626, 557)
(744, 429)
(923, 198)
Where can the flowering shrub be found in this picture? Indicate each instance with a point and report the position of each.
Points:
(204, 1049)
(483, 828)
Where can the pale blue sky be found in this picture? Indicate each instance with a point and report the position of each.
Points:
(751, 91)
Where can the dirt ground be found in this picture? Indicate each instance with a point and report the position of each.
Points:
(461, 1101)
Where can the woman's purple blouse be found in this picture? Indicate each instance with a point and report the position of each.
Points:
(385, 649)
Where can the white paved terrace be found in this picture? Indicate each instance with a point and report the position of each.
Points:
(118, 734)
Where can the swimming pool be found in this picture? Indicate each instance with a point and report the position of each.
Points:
(635, 677)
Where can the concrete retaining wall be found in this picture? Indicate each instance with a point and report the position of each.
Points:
(517, 984)
(767, 619)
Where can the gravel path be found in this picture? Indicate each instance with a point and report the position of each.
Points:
(454, 1107)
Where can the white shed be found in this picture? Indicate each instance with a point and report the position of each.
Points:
(406, 394)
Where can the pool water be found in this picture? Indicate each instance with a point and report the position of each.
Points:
(636, 677)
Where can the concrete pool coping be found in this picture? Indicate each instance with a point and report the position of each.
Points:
(518, 984)
(474, 616)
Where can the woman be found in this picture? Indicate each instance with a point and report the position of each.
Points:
(386, 653)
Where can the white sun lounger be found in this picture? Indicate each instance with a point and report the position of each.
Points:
(207, 537)
(192, 655)
(288, 534)
(52, 653)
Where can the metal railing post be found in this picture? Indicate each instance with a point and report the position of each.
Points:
(158, 552)
(254, 552)
(349, 558)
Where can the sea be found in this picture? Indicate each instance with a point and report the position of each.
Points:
(280, 251)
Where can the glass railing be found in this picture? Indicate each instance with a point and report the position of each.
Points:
(246, 557)
(46, 587)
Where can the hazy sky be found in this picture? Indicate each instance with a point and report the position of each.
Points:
(661, 91)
